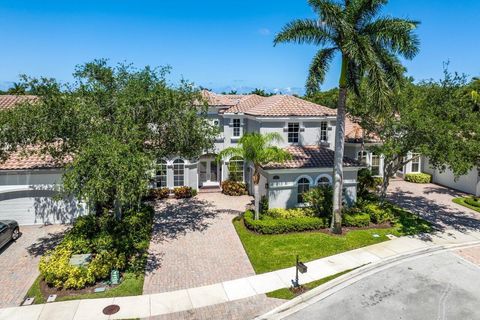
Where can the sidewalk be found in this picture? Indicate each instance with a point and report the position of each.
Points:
(181, 300)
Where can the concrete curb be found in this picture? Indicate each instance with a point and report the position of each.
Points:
(321, 292)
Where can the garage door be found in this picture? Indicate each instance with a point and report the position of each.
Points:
(30, 207)
(466, 183)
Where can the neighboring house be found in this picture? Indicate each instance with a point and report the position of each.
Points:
(308, 132)
(28, 186)
(469, 183)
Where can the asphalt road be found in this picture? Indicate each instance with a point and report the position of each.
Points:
(437, 287)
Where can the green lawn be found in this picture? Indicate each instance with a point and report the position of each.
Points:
(273, 252)
(132, 285)
(461, 201)
(287, 294)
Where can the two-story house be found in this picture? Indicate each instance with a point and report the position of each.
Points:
(308, 132)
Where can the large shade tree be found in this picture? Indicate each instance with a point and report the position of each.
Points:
(368, 44)
(434, 119)
(257, 149)
(108, 128)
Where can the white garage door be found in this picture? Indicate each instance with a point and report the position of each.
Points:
(29, 207)
(466, 183)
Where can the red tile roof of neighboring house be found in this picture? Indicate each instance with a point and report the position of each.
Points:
(22, 160)
(8, 101)
(310, 157)
(355, 133)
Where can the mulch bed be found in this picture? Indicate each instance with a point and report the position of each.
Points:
(47, 290)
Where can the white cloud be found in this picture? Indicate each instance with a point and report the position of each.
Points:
(264, 31)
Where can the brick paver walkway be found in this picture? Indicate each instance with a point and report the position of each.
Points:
(471, 254)
(195, 244)
(19, 261)
(434, 203)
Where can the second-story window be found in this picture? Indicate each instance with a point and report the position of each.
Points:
(236, 127)
(293, 132)
(323, 131)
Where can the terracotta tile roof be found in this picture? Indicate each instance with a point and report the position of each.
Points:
(355, 133)
(214, 99)
(8, 100)
(24, 159)
(310, 157)
(280, 106)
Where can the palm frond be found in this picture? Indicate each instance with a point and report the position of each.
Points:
(395, 34)
(304, 31)
(318, 68)
(361, 11)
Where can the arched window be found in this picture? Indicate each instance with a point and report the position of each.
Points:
(178, 173)
(235, 169)
(303, 185)
(362, 157)
(323, 181)
(161, 174)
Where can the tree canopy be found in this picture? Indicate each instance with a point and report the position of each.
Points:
(108, 128)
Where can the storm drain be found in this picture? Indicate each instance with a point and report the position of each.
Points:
(111, 309)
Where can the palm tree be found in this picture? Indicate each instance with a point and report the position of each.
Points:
(369, 47)
(258, 150)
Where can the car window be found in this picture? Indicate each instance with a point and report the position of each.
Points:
(2, 227)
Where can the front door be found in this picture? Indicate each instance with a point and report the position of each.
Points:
(208, 172)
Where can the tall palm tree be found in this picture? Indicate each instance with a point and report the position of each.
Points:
(257, 149)
(369, 46)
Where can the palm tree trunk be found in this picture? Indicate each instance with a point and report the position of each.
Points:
(256, 192)
(256, 196)
(339, 150)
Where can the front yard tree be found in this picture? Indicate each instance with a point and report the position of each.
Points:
(111, 126)
(435, 119)
(257, 149)
(368, 46)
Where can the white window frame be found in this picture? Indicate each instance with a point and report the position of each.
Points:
(239, 163)
(236, 125)
(297, 132)
(416, 161)
(162, 167)
(305, 187)
(373, 156)
(323, 183)
(324, 131)
(178, 164)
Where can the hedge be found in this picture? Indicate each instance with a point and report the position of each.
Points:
(378, 214)
(184, 192)
(269, 225)
(418, 177)
(473, 202)
(356, 220)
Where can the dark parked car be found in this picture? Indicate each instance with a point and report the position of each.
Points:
(8, 231)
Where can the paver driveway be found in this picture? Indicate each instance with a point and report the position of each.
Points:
(434, 203)
(194, 243)
(19, 261)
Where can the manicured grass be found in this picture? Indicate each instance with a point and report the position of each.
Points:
(461, 201)
(287, 294)
(273, 252)
(132, 285)
(35, 292)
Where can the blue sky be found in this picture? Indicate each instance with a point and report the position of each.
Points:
(216, 44)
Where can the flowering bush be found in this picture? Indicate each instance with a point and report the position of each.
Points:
(114, 244)
(184, 192)
(158, 193)
(234, 188)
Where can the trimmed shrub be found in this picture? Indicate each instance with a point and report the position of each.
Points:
(113, 244)
(475, 202)
(158, 193)
(269, 225)
(286, 213)
(418, 177)
(356, 220)
(366, 182)
(320, 200)
(234, 188)
(378, 214)
(184, 192)
(263, 204)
